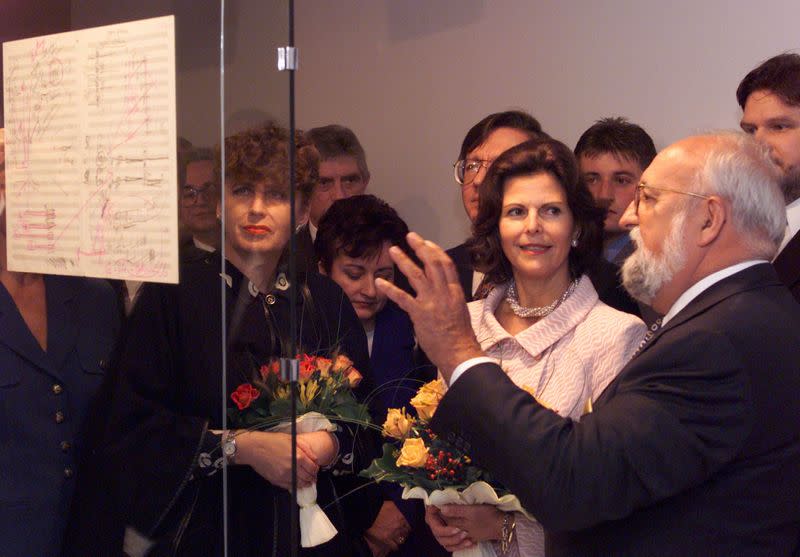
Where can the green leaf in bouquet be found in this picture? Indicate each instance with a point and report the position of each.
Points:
(282, 407)
(385, 468)
(351, 411)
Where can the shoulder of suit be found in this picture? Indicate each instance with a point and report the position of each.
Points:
(459, 253)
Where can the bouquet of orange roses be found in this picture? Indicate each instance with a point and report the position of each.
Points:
(324, 395)
(431, 469)
(325, 386)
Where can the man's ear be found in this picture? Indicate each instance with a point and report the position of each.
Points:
(321, 269)
(715, 215)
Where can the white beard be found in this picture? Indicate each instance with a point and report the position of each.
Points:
(644, 273)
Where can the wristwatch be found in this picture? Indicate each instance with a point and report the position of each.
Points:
(229, 447)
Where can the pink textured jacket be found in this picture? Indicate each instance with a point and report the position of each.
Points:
(567, 358)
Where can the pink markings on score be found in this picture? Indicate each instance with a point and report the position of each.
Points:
(32, 100)
(136, 116)
(37, 228)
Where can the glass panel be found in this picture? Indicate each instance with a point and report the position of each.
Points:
(257, 226)
(135, 431)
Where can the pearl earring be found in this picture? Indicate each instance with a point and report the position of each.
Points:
(574, 243)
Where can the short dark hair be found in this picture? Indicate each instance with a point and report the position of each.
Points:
(515, 119)
(780, 75)
(358, 226)
(619, 137)
(533, 157)
(334, 141)
(262, 153)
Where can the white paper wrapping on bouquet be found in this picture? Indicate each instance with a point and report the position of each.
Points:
(478, 493)
(315, 527)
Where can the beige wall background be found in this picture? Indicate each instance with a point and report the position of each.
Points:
(411, 76)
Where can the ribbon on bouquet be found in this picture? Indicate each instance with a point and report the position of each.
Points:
(477, 493)
(315, 526)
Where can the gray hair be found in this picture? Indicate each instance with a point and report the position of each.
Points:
(334, 141)
(740, 170)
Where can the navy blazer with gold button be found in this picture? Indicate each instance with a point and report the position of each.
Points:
(43, 400)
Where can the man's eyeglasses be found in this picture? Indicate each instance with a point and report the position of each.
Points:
(190, 194)
(638, 194)
(465, 171)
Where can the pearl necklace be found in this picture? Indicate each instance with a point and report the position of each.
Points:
(521, 311)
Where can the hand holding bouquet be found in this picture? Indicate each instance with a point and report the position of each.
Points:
(432, 469)
(324, 394)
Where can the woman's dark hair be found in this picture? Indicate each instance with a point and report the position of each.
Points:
(358, 226)
(534, 157)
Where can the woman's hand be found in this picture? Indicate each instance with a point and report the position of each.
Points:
(480, 522)
(449, 537)
(270, 455)
(322, 444)
(388, 532)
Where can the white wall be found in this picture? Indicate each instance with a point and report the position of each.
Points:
(411, 76)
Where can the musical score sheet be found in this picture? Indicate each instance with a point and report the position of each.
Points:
(91, 169)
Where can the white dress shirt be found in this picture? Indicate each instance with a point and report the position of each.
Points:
(793, 222)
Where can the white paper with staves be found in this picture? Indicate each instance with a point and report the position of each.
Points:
(91, 165)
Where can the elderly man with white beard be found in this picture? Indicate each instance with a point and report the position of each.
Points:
(694, 449)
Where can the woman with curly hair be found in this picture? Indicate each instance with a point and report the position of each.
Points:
(162, 448)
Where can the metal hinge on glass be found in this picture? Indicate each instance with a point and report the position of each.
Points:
(287, 58)
(290, 369)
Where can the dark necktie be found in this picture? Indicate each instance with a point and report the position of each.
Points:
(649, 335)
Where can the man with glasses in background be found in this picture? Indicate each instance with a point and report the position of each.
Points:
(484, 142)
(199, 199)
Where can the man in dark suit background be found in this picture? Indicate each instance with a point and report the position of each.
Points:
(612, 154)
(484, 142)
(694, 449)
(343, 172)
(770, 98)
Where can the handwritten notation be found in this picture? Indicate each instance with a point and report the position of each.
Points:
(90, 152)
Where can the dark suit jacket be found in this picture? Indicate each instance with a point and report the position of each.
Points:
(304, 250)
(167, 393)
(694, 449)
(787, 265)
(398, 373)
(44, 398)
(604, 276)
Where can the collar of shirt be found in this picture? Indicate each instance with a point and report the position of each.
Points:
(312, 230)
(703, 284)
(793, 221)
(199, 244)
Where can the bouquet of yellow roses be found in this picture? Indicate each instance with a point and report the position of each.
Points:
(324, 394)
(431, 469)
